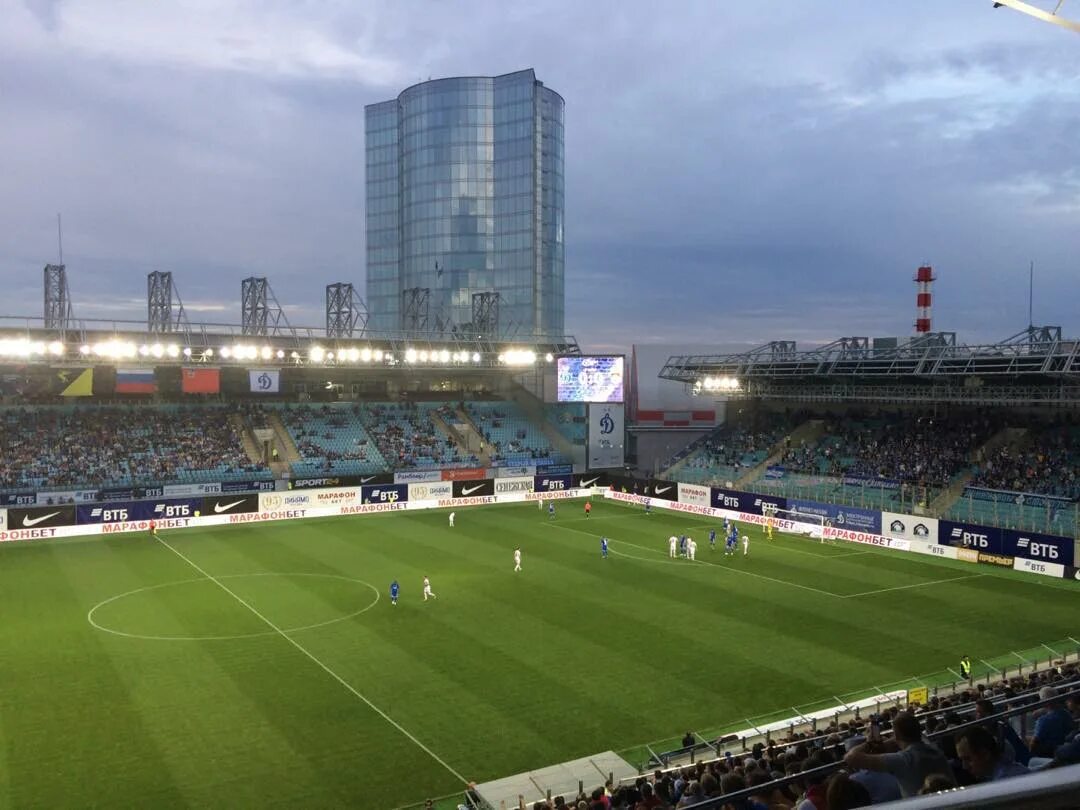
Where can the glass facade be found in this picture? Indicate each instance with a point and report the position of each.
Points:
(465, 195)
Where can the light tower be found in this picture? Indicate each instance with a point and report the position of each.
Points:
(924, 279)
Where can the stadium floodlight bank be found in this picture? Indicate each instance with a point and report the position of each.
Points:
(27, 340)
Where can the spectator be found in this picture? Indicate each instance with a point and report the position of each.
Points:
(844, 793)
(916, 759)
(935, 783)
(881, 786)
(1052, 727)
(981, 755)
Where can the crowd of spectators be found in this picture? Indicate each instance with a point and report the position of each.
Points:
(328, 434)
(48, 447)
(732, 448)
(921, 449)
(407, 437)
(1048, 465)
(886, 757)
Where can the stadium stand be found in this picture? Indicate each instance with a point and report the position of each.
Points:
(46, 447)
(357, 439)
(569, 419)
(731, 450)
(511, 437)
(1033, 485)
(959, 740)
(1048, 465)
(331, 439)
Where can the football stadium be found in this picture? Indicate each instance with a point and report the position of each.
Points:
(437, 553)
(266, 569)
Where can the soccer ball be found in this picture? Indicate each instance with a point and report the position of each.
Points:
(196, 513)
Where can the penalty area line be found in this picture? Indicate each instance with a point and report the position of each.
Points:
(317, 661)
(916, 585)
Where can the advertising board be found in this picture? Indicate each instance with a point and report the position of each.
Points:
(464, 474)
(504, 486)
(1035, 567)
(1040, 547)
(434, 491)
(229, 504)
(841, 517)
(694, 494)
(970, 536)
(553, 483)
(384, 493)
(909, 527)
(474, 489)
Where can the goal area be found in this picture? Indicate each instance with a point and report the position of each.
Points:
(794, 521)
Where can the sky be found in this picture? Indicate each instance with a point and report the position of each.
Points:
(735, 173)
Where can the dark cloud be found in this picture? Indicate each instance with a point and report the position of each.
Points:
(734, 174)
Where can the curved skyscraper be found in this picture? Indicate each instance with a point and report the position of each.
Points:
(465, 201)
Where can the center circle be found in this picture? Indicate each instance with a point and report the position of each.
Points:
(241, 606)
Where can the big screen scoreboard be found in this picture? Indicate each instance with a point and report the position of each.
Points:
(591, 378)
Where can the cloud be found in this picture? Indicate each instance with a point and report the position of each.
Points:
(734, 173)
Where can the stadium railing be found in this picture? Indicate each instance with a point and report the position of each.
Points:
(806, 718)
(1063, 782)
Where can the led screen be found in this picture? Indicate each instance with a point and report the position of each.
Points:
(590, 379)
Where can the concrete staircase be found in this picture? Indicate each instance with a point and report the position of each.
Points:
(1011, 437)
(247, 439)
(808, 431)
(469, 437)
(455, 436)
(285, 443)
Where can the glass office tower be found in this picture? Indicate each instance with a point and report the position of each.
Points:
(465, 197)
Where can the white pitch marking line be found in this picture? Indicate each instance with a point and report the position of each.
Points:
(323, 666)
(916, 585)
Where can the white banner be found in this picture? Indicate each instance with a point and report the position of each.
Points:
(3, 519)
(694, 494)
(606, 437)
(909, 527)
(265, 380)
(434, 491)
(417, 477)
(514, 472)
(504, 486)
(933, 549)
(1048, 569)
(308, 499)
(187, 490)
(71, 496)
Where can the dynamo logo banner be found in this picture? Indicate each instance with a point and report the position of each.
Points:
(841, 517)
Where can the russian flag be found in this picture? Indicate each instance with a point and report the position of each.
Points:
(135, 381)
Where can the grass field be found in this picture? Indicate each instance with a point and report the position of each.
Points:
(195, 687)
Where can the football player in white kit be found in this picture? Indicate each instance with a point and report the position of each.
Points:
(427, 589)
(517, 559)
(673, 545)
(745, 544)
(691, 548)
(452, 519)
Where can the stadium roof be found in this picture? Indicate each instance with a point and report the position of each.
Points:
(928, 367)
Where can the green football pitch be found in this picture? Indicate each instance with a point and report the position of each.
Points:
(263, 665)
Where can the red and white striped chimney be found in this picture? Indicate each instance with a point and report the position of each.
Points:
(924, 278)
